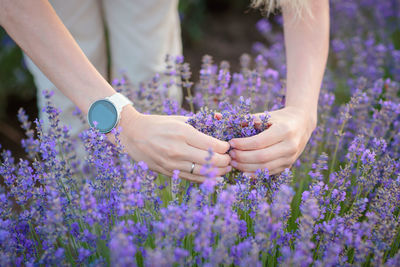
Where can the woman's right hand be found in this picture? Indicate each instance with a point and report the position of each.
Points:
(168, 143)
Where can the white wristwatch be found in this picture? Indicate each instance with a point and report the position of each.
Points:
(104, 114)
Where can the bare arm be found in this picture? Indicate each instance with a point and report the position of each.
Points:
(307, 44)
(37, 29)
(165, 143)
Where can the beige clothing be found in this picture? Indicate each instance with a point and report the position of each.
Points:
(141, 34)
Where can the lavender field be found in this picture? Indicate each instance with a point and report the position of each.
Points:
(339, 205)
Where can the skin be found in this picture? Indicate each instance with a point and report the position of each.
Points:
(307, 45)
(165, 143)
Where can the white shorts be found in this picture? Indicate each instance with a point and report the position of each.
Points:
(141, 34)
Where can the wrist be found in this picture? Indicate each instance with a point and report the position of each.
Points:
(129, 116)
(110, 112)
(303, 99)
(308, 114)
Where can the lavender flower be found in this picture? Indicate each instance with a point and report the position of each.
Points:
(337, 206)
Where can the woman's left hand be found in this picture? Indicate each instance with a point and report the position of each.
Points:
(276, 148)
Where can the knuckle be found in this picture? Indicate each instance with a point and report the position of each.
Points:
(221, 171)
(292, 146)
(172, 153)
(166, 164)
(238, 155)
(158, 160)
(219, 147)
(292, 159)
(163, 163)
(225, 160)
(257, 142)
(264, 157)
(284, 129)
(180, 133)
(224, 147)
(220, 160)
(287, 130)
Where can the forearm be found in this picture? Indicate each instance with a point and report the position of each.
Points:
(307, 45)
(37, 29)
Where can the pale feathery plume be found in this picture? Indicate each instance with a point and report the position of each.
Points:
(299, 7)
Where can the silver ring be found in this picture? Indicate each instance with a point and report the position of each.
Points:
(192, 169)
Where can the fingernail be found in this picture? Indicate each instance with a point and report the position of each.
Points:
(229, 168)
(219, 179)
(217, 116)
(234, 163)
(232, 154)
(232, 144)
(248, 174)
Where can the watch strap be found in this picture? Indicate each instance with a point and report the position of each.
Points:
(119, 100)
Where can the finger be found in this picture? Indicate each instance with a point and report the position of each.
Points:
(186, 166)
(257, 124)
(277, 171)
(192, 177)
(205, 142)
(199, 156)
(251, 175)
(184, 175)
(180, 118)
(251, 167)
(267, 154)
(217, 116)
(267, 138)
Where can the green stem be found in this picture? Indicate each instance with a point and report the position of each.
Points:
(337, 146)
(189, 96)
(36, 239)
(395, 245)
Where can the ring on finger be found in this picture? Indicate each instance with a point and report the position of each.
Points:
(192, 168)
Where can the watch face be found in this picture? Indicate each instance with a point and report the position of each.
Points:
(105, 114)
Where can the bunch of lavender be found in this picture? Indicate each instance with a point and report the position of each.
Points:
(230, 122)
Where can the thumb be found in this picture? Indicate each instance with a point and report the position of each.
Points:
(202, 141)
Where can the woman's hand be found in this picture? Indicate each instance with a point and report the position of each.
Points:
(278, 147)
(307, 45)
(168, 143)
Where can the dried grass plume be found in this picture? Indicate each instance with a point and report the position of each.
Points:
(269, 6)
